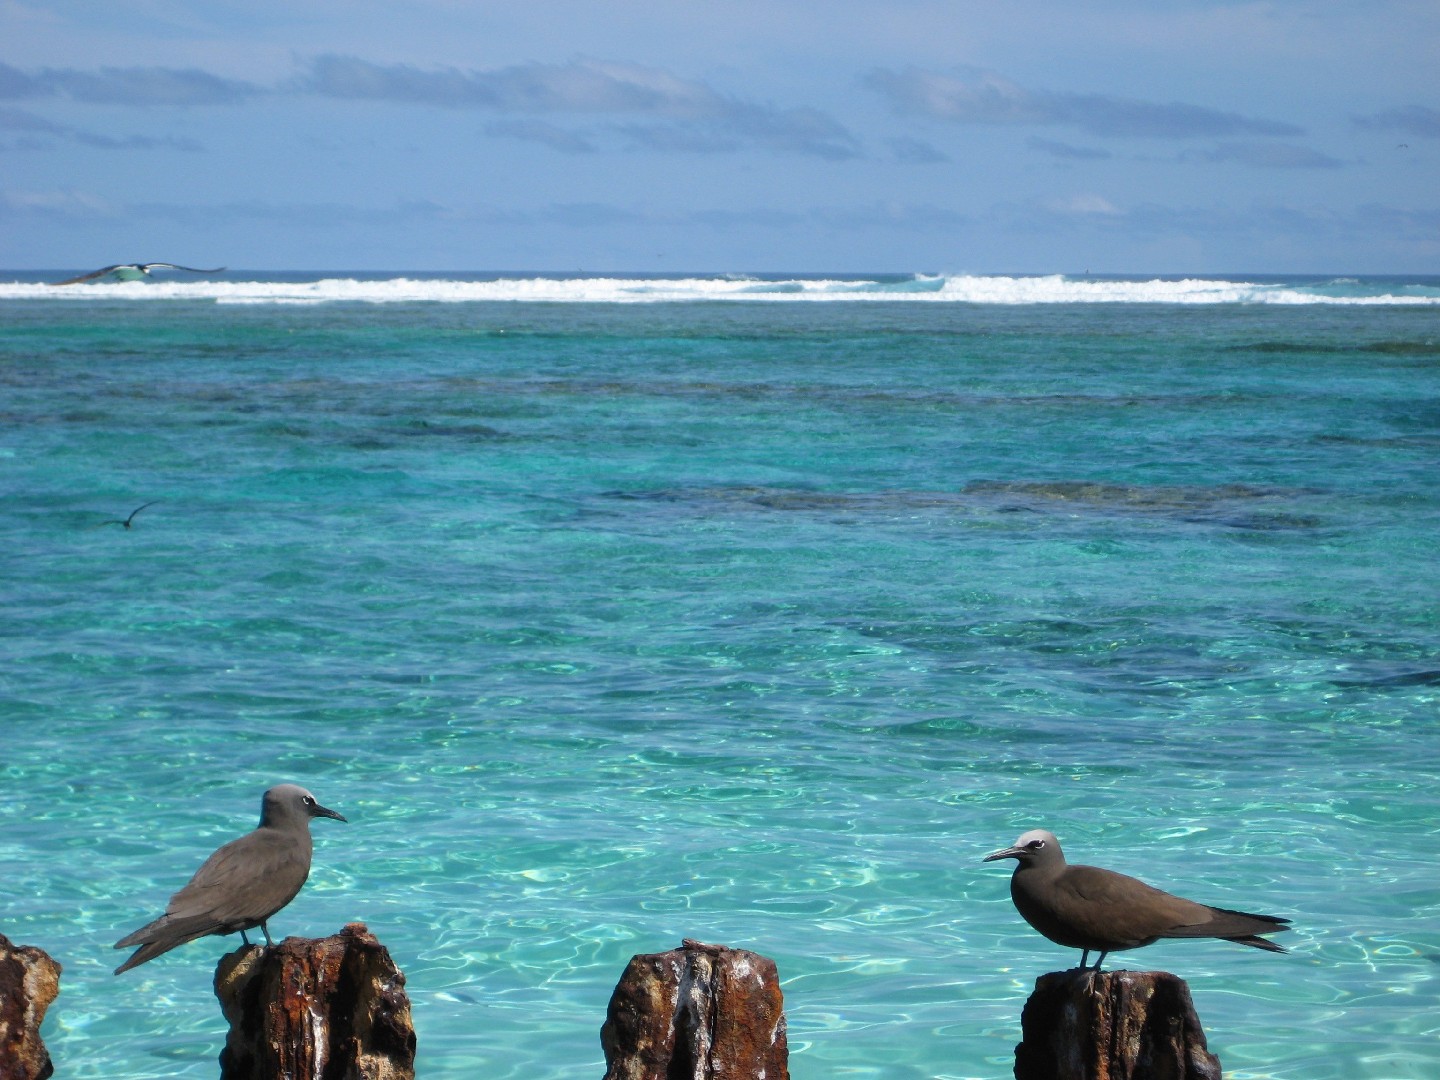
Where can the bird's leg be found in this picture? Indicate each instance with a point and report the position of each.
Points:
(1100, 960)
(1084, 959)
(268, 943)
(245, 939)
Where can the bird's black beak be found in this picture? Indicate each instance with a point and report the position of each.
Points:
(325, 811)
(1004, 853)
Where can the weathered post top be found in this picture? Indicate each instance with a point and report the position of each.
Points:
(699, 1012)
(331, 1006)
(29, 982)
(1091, 1025)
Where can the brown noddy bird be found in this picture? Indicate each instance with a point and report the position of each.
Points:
(243, 883)
(1085, 907)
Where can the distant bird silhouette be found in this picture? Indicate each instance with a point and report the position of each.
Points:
(131, 272)
(126, 523)
(244, 883)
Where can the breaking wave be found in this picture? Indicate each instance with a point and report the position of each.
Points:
(295, 288)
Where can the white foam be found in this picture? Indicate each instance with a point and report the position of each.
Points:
(973, 289)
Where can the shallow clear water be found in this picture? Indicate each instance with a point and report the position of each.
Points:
(608, 624)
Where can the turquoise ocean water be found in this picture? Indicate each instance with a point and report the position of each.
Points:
(613, 611)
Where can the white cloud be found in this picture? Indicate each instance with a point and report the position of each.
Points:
(135, 86)
(65, 203)
(1417, 120)
(987, 98)
(38, 133)
(1066, 151)
(916, 152)
(662, 111)
(538, 131)
(1271, 156)
(1088, 205)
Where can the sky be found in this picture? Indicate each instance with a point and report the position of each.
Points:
(927, 136)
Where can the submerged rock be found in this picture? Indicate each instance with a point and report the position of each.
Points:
(331, 1007)
(1112, 1025)
(29, 982)
(1242, 506)
(699, 1012)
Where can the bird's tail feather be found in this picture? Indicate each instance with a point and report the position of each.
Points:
(1241, 926)
(1259, 942)
(162, 935)
(144, 935)
(142, 954)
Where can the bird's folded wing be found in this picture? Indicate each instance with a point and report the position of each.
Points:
(248, 879)
(1147, 911)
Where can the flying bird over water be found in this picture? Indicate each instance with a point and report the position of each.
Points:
(126, 522)
(131, 272)
(243, 883)
(1085, 907)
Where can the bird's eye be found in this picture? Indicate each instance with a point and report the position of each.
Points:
(1035, 845)
(308, 800)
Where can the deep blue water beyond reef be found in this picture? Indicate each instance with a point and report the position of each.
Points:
(610, 619)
